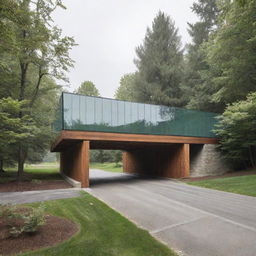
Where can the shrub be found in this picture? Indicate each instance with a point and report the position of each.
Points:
(237, 131)
(34, 220)
(21, 221)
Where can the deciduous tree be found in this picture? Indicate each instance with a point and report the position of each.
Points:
(237, 131)
(88, 88)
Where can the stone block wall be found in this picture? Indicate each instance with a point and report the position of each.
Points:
(205, 160)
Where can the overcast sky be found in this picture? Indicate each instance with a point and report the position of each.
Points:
(107, 32)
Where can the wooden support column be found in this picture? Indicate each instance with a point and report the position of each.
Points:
(74, 162)
(171, 161)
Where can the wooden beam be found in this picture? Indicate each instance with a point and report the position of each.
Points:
(66, 136)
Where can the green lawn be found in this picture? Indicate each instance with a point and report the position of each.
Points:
(111, 167)
(245, 185)
(34, 172)
(103, 231)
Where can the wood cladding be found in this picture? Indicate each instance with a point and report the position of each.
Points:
(74, 162)
(171, 162)
(153, 155)
(68, 136)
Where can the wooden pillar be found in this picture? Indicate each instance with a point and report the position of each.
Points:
(74, 162)
(170, 161)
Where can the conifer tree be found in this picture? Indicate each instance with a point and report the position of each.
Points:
(159, 62)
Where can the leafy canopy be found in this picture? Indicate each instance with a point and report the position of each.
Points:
(88, 88)
(237, 131)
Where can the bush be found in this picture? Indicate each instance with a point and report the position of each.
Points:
(21, 221)
(237, 131)
(105, 156)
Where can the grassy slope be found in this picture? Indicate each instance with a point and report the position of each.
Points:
(103, 231)
(245, 185)
(111, 167)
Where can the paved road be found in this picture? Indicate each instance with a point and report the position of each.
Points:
(37, 196)
(193, 221)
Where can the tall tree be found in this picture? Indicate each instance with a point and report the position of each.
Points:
(88, 88)
(197, 86)
(38, 52)
(231, 52)
(159, 62)
(126, 89)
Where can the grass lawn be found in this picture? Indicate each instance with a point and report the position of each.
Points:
(103, 231)
(111, 167)
(35, 172)
(245, 185)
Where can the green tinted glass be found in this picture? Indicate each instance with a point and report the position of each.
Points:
(86, 113)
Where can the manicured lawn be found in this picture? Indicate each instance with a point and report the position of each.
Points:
(34, 172)
(103, 231)
(245, 185)
(111, 167)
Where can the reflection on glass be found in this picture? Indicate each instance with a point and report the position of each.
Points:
(100, 114)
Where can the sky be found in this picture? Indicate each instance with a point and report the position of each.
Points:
(107, 33)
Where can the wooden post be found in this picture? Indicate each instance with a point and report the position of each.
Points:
(74, 162)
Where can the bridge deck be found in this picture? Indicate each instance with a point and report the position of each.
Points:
(155, 139)
(103, 140)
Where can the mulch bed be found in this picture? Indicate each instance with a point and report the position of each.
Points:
(54, 231)
(14, 186)
(230, 174)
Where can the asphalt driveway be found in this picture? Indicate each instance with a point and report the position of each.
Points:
(37, 196)
(193, 221)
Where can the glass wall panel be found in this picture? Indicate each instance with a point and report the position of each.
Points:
(98, 117)
(88, 113)
(128, 113)
(107, 112)
(67, 109)
(82, 109)
(90, 110)
(120, 116)
(114, 113)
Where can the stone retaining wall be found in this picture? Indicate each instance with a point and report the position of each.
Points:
(205, 160)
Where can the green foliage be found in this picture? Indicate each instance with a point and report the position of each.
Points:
(159, 63)
(237, 131)
(126, 90)
(34, 219)
(88, 88)
(22, 221)
(102, 156)
(13, 128)
(231, 52)
(33, 52)
(197, 82)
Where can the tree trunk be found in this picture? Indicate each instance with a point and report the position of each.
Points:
(21, 160)
(1, 165)
(251, 156)
(21, 155)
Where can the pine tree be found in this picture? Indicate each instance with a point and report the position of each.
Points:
(196, 84)
(159, 62)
